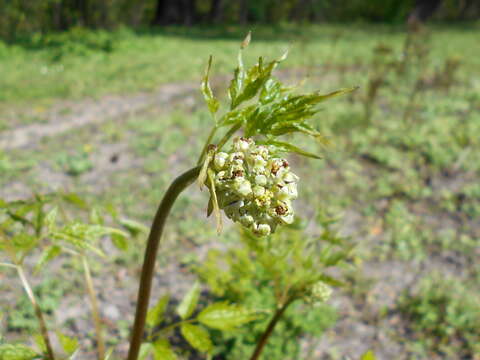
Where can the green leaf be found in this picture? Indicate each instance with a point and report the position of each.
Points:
(69, 344)
(369, 355)
(189, 301)
(75, 199)
(50, 219)
(16, 352)
(120, 242)
(40, 342)
(197, 336)
(48, 254)
(286, 147)
(214, 202)
(134, 227)
(163, 351)
(212, 102)
(24, 241)
(155, 314)
(96, 217)
(145, 350)
(224, 316)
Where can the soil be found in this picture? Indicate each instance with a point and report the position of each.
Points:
(359, 328)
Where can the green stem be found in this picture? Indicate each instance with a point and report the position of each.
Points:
(228, 135)
(177, 186)
(95, 311)
(205, 148)
(38, 312)
(269, 330)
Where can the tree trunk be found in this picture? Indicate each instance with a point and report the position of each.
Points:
(243, 12)
(160, 11)
(215, 15)
(422, 11)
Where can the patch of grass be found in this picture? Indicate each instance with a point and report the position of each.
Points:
(443, 316)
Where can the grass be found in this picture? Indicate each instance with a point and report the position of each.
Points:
(406, 177)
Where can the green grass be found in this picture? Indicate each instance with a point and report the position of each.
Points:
(409, 177)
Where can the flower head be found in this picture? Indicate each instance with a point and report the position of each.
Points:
(253, 187)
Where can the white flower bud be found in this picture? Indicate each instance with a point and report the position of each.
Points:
(262, 229)
(258, 191)
(261, 180)
(246, 220)
(242, 187)
(219, 160)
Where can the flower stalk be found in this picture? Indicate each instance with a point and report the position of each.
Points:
(156, 231)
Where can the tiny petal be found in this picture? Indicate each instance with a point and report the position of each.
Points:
(220, 160)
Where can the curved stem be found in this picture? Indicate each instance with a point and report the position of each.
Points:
(269, 330)
(95, 311)
(177, 186)
(38, 312)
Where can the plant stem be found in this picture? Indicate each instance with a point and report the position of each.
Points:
(269, 330)
(177, 186)
(95, 311)
(205, 147)
(38, 312)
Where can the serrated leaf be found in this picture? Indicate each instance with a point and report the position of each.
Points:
(69, 344)
(155, 314)
(224, 316)
(189, 301)
(286, 147)
(197, 336)
(48, 255)
(210, 99)
(163, 351)
(369, 355)
(16, 352)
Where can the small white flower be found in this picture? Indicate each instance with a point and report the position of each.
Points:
(219, 160)
(262, 229)
(261, 180)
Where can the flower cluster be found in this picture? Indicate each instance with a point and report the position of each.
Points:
(318, 293)
(253, 187)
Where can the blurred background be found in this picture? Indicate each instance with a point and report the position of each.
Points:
(101, 98)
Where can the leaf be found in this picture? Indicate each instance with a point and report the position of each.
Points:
(369, 355)
(214, 202)
(134, 227)
(331, 281)
(24, 241)
(210, 99)
(202, 176)
(286, 147)
(224, 316)
(155, 314)
(38, 338)
(50, 219)
(69, 344)
(189, 301)
(120, 242)
(197, 336)
(16, 352)
(145, 350)
(75, 199)
(96, 217)
(48, 255)
(163, 351)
